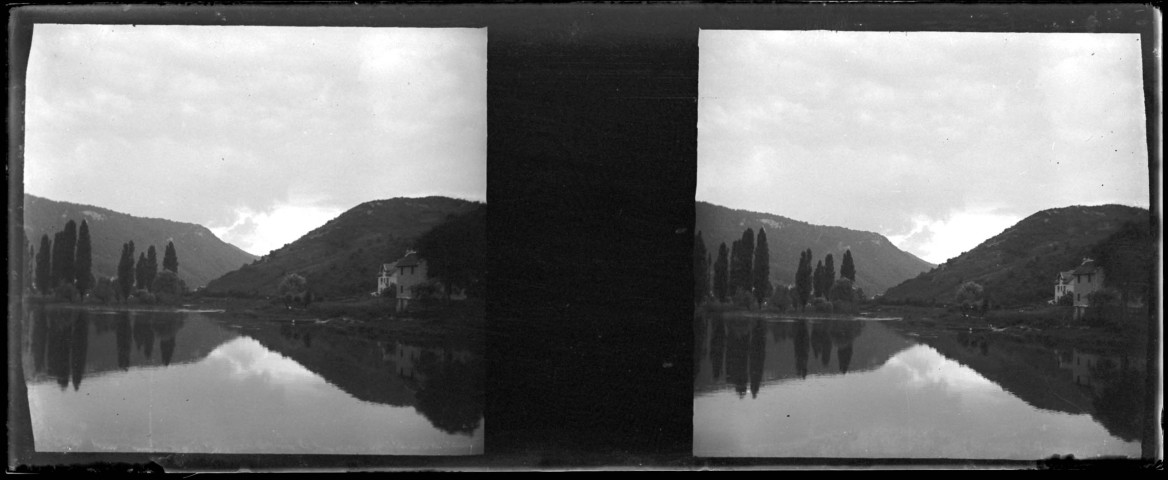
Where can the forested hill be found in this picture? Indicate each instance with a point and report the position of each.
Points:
(201, 255)
(1019, 265)
(342, 258)
(879, 263)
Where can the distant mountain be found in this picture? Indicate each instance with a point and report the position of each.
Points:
(879, 264)
(201, 255)
(342, 257)
(1019, 265)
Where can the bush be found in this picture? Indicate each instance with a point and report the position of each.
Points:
(819, 305)
(743, 299)
(167, 282)
(781, 298)
(103, 290)
(66, 291)
(1067, 300)
(145, 297)
(844, 290)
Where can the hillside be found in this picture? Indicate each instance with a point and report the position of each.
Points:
(342, 257)
(879, 264)
(1018, 266)
(201, 255)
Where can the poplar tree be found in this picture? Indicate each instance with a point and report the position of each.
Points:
(817, 279)
(170, 258)
(140, 273)
(803, 278)
(720, 273)
(69, 253)
(701, 285)
(746, 260)
(126, 270)
(828, 275)
(848, 268)
(44, 268)
(151, 266)
(84, 260)
(762, 267)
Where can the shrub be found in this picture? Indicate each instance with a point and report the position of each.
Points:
(744, 299)
(103, 291)
(168, 282)
(145, 297)
(66, 291)
(843, 289)
(1068, 299)
(819, 305)
(781, 298)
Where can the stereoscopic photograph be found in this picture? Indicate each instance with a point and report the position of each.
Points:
(922, 245)
(254, 240)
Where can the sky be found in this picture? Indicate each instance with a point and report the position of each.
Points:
(261, 134)
(937, 140)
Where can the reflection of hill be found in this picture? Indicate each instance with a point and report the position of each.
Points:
(353, 364)
(788, 350)
(76, 343)
(445, 385)
(1108, 388)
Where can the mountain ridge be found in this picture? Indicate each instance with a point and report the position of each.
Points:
(879, 263)
(1018, 265)
(202, 255)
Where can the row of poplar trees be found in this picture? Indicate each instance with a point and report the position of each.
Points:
(67, 260)
(745, 267)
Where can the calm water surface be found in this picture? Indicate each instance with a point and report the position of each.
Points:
(206, 383)
(840, 388)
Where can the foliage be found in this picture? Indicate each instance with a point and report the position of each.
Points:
(803, 279)
(762, 267)
(151, 268)
(742, 262)
(126, 270)
(1067, 300)
(828, 275)
(292, 283)
(103, 290)
(720, 273)
(818, 277)
(781, 298)
(44, 276)
(744, 299)
(1127, 260)
(701, 275)
(455, 250)
(83, 259)
(969, 294)
(843, 290)
(66, 291)
(848, 268)
(140, 275)
(170, 258)
(167, 285)
(821, 305)
(145, 297)
(67, 270)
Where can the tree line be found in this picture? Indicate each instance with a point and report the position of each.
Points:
(64, 266)
(741, 273)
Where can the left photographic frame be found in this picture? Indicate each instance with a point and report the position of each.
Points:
(254, 239)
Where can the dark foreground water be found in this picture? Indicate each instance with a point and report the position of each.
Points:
(841, 388)
(201, 382)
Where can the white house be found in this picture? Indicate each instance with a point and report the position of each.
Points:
(405, 274)
(1088, 279)
(1064, 283)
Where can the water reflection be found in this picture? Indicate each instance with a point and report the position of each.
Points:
(862, 389)
(168, 381)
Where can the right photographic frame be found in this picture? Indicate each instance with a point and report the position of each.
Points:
(924, 245)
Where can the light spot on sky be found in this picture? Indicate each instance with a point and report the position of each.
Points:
(260, 133)
(937, 140)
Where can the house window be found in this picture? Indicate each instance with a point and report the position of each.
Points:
(1088, 278)
(1078, 297)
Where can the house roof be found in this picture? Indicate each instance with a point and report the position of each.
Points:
(1066, 277)
(410, 260)
(1086, 268)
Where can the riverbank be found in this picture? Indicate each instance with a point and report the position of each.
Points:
(365, 317)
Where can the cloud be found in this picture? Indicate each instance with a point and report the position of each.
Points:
(220, 125)
(260, 232)
(925, 131)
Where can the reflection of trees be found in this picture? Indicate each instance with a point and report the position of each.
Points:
(821, 343)
(801, 343)
(757, 356)
(452, 396)
(57, 351)
(699, 325)
(1120, 405)
(166, 330)
(143, 336)
(79, 347)
(717, 346)
(123, 337)
(843, 334)
(737, 358)
(40, 328)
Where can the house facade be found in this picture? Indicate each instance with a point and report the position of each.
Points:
(1084, 280)
(1064, 283)
(402, 276)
